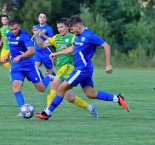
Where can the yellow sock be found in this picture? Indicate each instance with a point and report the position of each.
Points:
(7, 65)
(81, 103)
(51, 96)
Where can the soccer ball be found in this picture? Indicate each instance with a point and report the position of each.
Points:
(27, 111)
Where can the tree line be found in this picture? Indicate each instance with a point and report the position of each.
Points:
(128, 26)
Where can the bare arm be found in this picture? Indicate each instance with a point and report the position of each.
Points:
(30, 51)
(107, 50)
(64, 51)
(43, 35)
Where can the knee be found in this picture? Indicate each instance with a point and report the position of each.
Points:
(41, 89)
(16, 86)
(70, 99)
(91, 95)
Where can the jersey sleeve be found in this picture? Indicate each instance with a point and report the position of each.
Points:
(52, 41)
(27, 40)
(72, 39)
(96, 40)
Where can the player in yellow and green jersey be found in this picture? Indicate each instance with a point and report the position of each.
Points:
(4, 42)
(64, 64)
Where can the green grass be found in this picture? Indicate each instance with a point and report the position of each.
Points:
(71, 125)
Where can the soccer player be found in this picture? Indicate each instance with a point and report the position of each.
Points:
(42, 54)
(64, 64)
(84, 46)
(22, 62)
(4, 42)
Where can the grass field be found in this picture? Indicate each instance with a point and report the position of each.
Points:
(71, 125)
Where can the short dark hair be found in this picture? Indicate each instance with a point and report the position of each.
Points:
(42, 12)
(12, 22)
(74, 20)
(63, 21)
(4, 16)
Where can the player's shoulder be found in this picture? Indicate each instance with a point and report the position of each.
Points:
(48, 26)
(24, 34)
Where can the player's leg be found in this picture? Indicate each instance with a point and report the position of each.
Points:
(102, 95)
(4, 53)
(69, 95)
(37, 79)
(54, 86)
(17, 79)
(44, 115)
(61, 74)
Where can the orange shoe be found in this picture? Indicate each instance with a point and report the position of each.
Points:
(42, 115)
(122, 102)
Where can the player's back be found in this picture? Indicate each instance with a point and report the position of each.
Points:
(85, 47)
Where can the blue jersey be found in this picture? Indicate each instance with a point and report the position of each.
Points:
(84, 48)
(47, 30)
(18, 45)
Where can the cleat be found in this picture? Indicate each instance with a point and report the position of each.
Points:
(122, 102)
(93, 112)
(42, 115)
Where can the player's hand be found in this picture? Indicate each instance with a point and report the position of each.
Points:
(53, 55)
(4, 59)
(35, 30)
(109, 69)
(17, 58)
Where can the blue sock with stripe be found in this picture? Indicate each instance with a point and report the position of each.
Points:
(19, 98)
(105, 96)
(55, 103)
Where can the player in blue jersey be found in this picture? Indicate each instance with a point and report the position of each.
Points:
(84, 46)
(42, 54)
(22, 62)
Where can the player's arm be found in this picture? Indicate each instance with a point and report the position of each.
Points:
(107, 50)
(5, 58)
(40, 42)
(30, 51)
(43, 35)
(64, 51)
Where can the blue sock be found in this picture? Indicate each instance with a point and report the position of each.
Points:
(19, 98)
(46, 81)
(56, 101)
(105, 96)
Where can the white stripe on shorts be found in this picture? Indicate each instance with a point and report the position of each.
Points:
(38, 73)
(74, 76)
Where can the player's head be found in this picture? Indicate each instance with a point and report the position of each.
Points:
(75, 24)
(4, 19)
(62, 26)
(14, 27)
(42, 17)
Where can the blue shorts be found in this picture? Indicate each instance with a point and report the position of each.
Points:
(82, 77)
(33, 75)
(43, 57)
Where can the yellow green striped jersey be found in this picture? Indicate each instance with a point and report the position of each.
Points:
(3, 33)
(57, 41)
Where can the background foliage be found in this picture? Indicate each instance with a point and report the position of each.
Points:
(128, 26)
